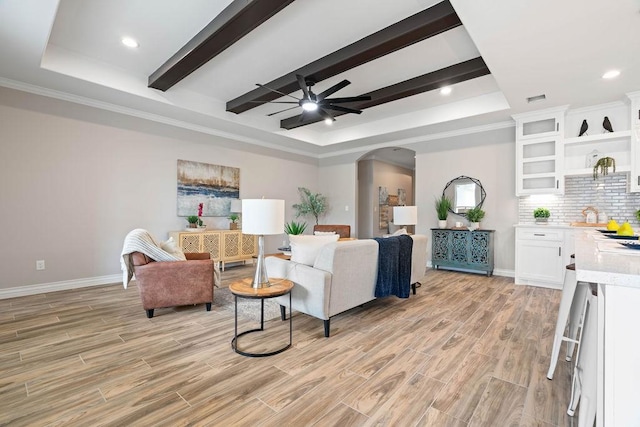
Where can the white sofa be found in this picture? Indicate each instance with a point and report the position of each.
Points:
(343, 276)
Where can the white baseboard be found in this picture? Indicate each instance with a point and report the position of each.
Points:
(42, 288)
(496, 271)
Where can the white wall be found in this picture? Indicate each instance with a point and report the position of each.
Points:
(339, 183)
(72, 189)
(489, 157)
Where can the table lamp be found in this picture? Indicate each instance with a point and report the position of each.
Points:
(405, 215)
(262, 217)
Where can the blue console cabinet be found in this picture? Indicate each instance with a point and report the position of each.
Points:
(462, 249)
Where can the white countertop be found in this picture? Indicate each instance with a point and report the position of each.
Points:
(602, 260)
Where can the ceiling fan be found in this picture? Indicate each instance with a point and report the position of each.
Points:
(312, 103)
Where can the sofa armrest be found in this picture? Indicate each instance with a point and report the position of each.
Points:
(312, 287)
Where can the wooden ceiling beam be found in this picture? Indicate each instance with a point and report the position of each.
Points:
(234, 22)
(428, 23)
(457, 73)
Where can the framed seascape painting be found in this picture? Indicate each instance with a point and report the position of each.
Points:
(212, 185)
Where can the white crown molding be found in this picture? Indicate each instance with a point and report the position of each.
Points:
(406, 143)
(42, 288)
(64, 96)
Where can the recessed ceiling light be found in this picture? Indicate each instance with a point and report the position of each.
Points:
(445, 90)
(611, 74)
(129, 42)
(328, 122)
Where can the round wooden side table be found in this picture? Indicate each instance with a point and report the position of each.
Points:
(243, 289)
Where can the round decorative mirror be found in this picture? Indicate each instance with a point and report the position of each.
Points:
(465, 193)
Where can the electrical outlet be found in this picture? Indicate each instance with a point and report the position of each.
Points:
(40, 264)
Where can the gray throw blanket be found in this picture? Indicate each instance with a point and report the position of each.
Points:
(394, 266)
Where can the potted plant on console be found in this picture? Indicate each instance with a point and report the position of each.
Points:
(443, 204)
(233, 217)
(541, 215)
(474, 216)
(193, 221)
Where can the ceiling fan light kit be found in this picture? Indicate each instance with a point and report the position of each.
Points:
(319, 105)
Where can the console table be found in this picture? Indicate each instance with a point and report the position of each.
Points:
(223, 245)
(461, 249)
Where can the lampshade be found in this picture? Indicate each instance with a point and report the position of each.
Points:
(262, 216)
(236, 206)
(405, 215)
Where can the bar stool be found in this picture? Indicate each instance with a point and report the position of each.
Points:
(571, 308)
(584, 387)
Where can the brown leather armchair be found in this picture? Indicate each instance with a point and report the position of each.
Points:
(174, 283)
(343, 230)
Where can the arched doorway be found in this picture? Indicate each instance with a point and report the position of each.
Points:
(385, 178)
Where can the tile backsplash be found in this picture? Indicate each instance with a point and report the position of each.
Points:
(607, 194)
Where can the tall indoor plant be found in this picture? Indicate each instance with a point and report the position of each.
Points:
(443, 204)
(310, 204)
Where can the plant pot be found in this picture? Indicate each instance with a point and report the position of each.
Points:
(542, 220)
(442, 223)
(233, 226)
(192, 225)
(473, 226)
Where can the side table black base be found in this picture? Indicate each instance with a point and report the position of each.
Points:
(234, 341)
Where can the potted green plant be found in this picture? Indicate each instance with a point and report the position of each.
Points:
(310, 204)
(638, 215)
(541, 215)
(443, 204)
(474, 216)
(295, 228)
(193, 221)
(233, 217)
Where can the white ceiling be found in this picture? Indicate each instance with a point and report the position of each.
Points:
(71, 49)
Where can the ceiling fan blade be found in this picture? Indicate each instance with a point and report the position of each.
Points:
(343, 109)
(277, 91)
(303, 86)
(325, 114)
(346, 99)
(274, 102)
(281, 111)
(333, 89)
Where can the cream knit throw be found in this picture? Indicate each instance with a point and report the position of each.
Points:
(140, 240)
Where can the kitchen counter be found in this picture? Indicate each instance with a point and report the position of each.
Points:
(602, 260)
(616, 270)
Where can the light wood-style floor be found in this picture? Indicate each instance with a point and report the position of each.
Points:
(466, 350)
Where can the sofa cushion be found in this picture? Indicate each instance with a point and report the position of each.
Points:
(305, 249)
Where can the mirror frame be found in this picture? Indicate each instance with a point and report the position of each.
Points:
(483, 193)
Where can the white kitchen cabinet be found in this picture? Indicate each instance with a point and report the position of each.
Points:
(541, 123)
(634, 176)
(539, 152)
(542, 254)
(539, 166)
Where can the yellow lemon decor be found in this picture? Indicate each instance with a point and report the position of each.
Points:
(613, 225)
(625, 229)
